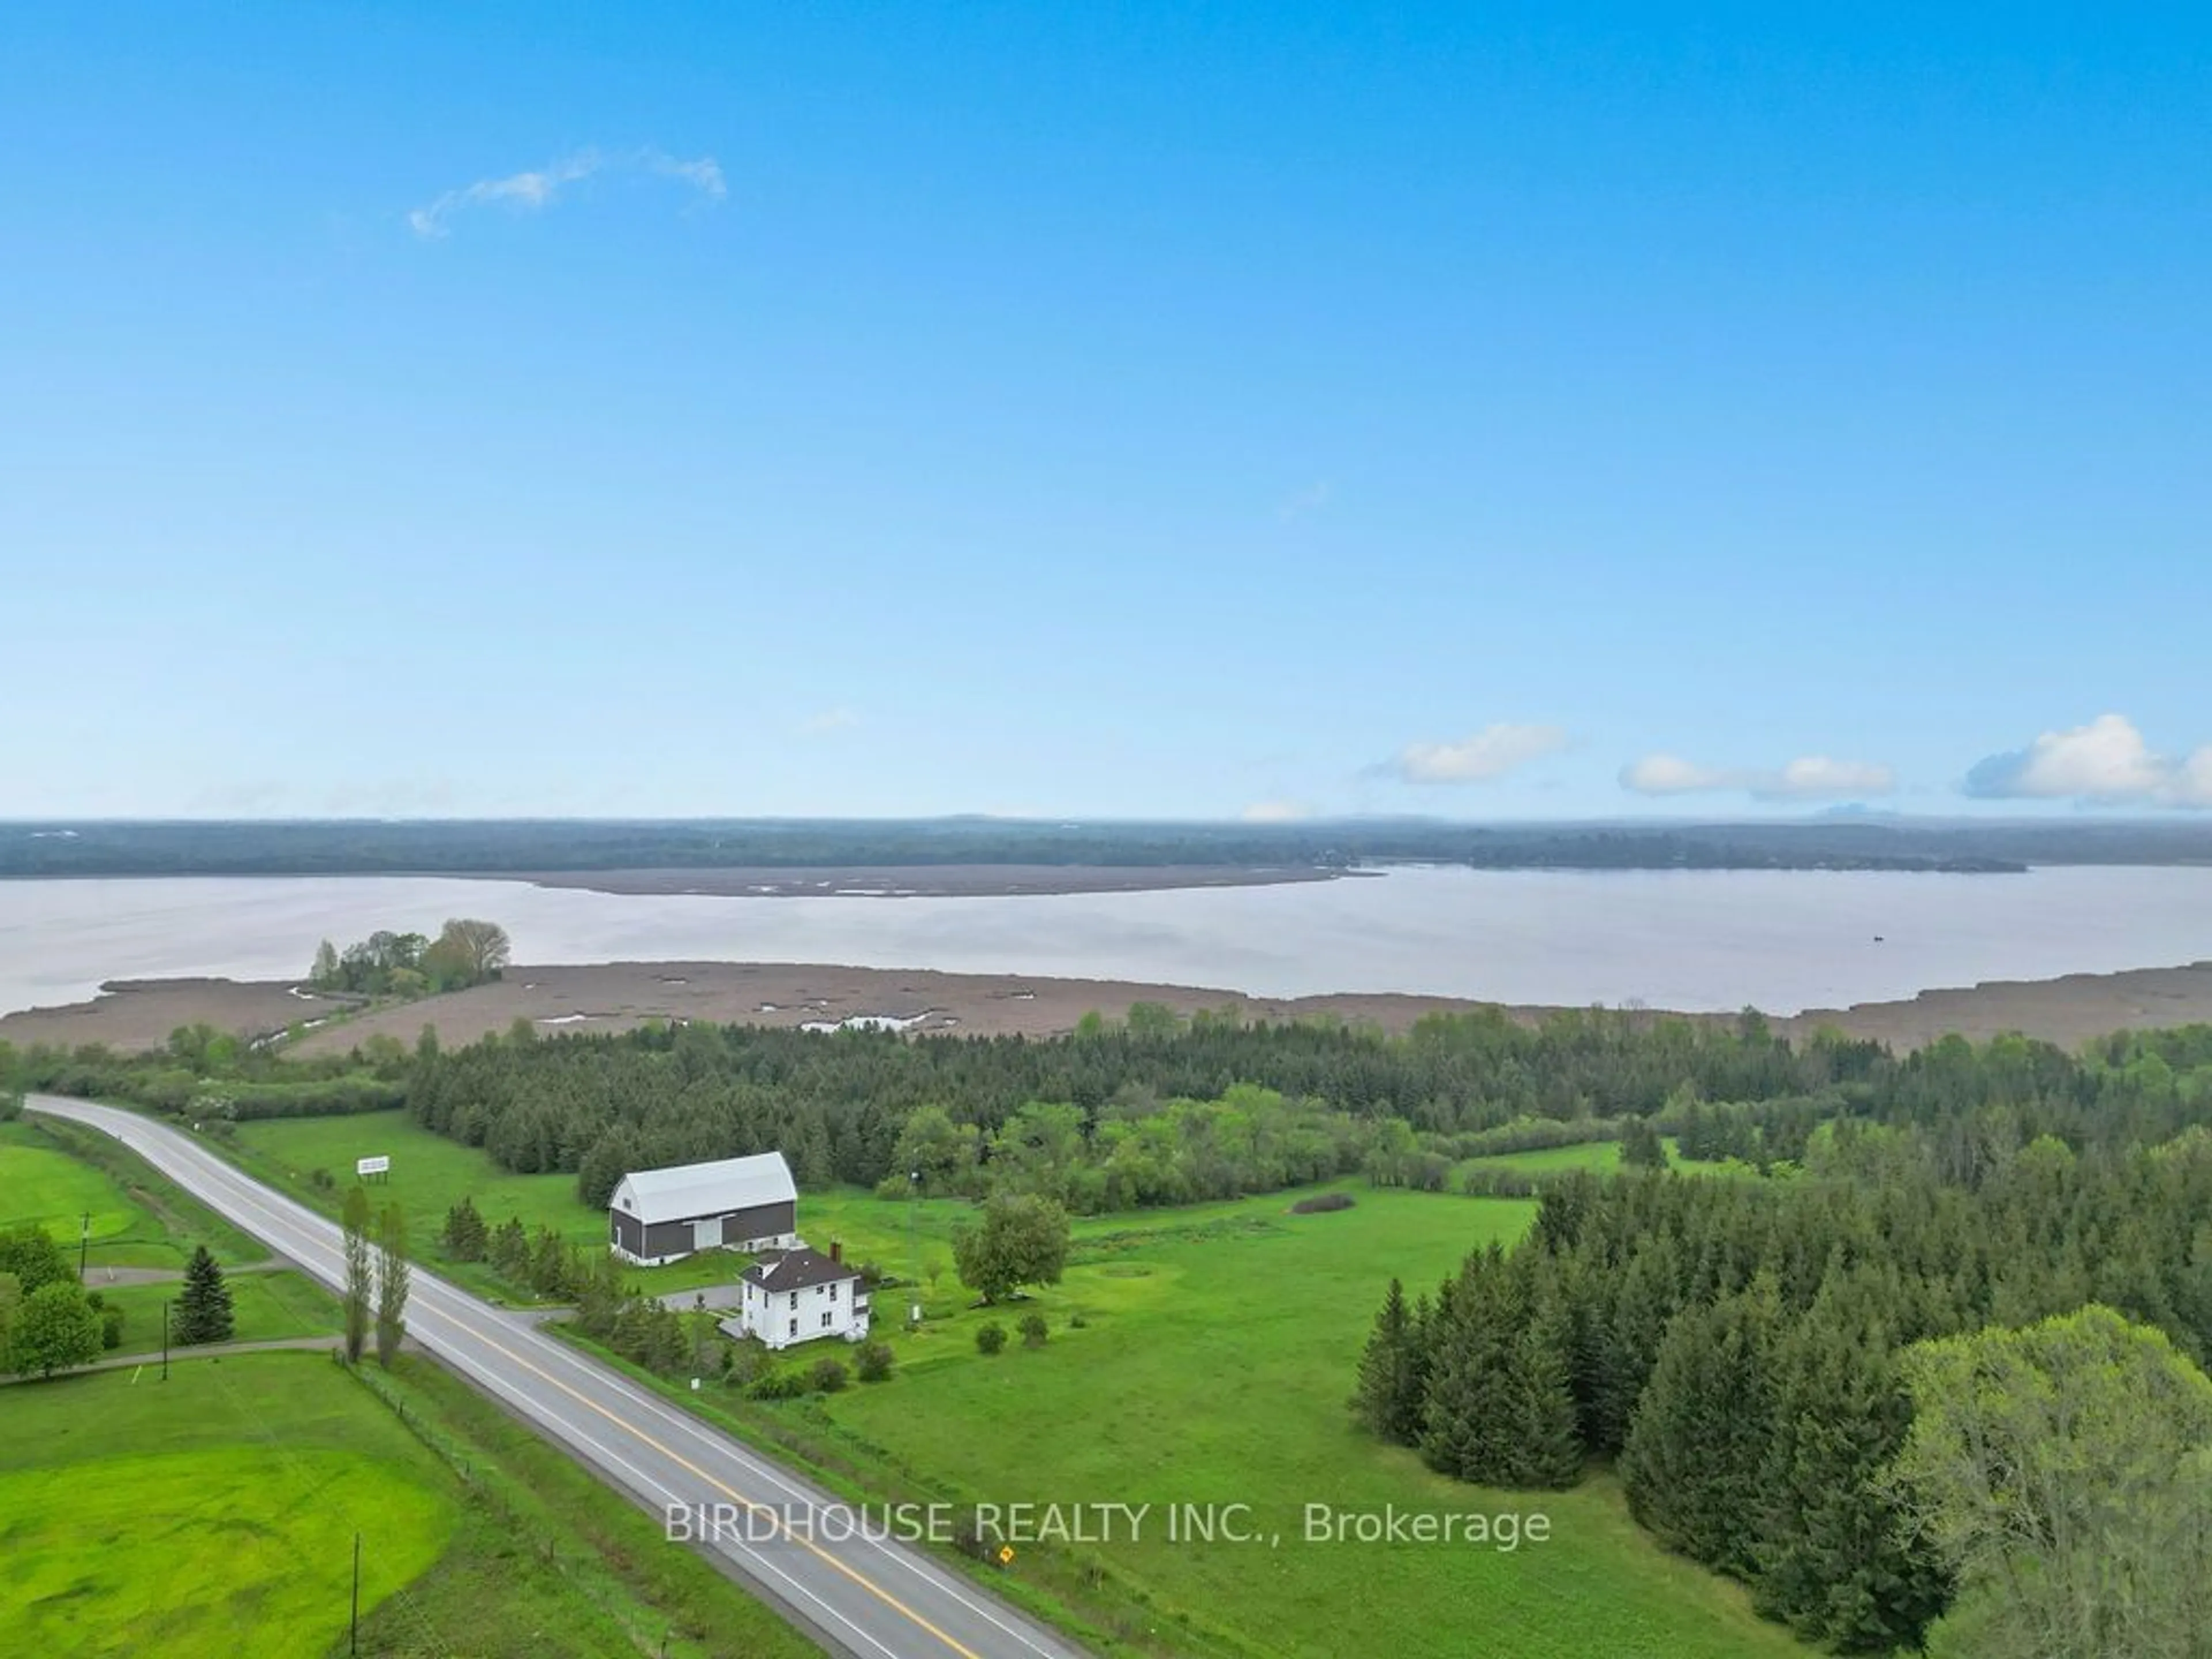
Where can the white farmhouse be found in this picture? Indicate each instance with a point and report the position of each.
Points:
(799, 1297)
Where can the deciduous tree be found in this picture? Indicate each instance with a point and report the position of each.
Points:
(360, 1288)
(2064, 1472)
(392, 1281)
(1022, 1239)
(56, 1327)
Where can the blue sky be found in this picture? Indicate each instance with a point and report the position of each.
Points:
(1115, 411)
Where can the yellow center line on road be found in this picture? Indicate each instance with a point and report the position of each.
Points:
(248, 1198)
(683, 1463)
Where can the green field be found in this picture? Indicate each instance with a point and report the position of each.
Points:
(1603, 1155)
(139, 1222)
(215, 1512)
(1212, 1366)
(263, 1307)
(429, 1175)
(1217, 1354)
(139, 1516)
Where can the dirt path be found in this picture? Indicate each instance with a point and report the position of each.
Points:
(99, 1277)
(210, 1350)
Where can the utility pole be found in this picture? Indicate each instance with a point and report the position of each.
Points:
(165, 1341)
(353, 1629)
(914, 1238)
(83, 1246)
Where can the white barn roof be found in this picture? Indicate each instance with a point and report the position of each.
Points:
(715, 1189)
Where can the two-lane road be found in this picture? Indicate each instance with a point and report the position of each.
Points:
(849, 1587)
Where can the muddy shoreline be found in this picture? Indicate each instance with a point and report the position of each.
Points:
(619, 996)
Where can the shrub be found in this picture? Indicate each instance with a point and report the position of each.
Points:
(1321, 1203)
(1034, 1330)
(828, 1375)
(873, 1362)
(777, 1385)
(990, 1338)
(1076, 1321)
(323, 1179)
(111, 1321)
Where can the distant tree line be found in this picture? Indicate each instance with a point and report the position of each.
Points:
(1159, 1110)
(1748, 1352)
(461, 846)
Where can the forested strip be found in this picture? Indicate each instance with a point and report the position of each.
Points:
(1743, 1349)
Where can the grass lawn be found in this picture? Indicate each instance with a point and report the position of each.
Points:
(1219, 1350)
(186, 1517)
(429, 1175)
(138, 1219)
(263, 1306)
(215, 1514)
(1602, 1155)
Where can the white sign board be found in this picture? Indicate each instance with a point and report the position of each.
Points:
(369, 1166)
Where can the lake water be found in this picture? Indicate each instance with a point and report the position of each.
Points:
(1694, 939)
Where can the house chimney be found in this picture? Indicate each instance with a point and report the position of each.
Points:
(837, 1251)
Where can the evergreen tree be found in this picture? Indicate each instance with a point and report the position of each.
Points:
(1697, 1449)
(1393, 1374)
(509, 1250)
(1834, 1558)
(1626, 1333)
(359, 1289)
(1641, 1148)
(1546, 1438)
(1467, 1426)
(204, 1312)
(464, 1233)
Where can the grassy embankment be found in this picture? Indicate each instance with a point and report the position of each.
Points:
(55, 1174)
(248, 1477)
(216, 1513)
(140, 1220)
(1216, 1352)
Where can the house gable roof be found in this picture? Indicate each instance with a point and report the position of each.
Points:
(798, 1270)
(714, 1189)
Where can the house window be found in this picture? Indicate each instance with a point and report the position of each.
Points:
(833, 1292)
(794, 1298)
(794, 1328)
(825, 1322)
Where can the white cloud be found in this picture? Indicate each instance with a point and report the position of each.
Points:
(1668, 775)
(1817, 777)
(2192, 783)
(2106, 761)
(1811, 777)
(541, 187)
(1275, 812)
(1490, 753)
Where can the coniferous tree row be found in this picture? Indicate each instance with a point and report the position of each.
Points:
(1157, 1111)
(1737, 1346)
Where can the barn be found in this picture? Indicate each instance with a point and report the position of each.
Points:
(658, 1215)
